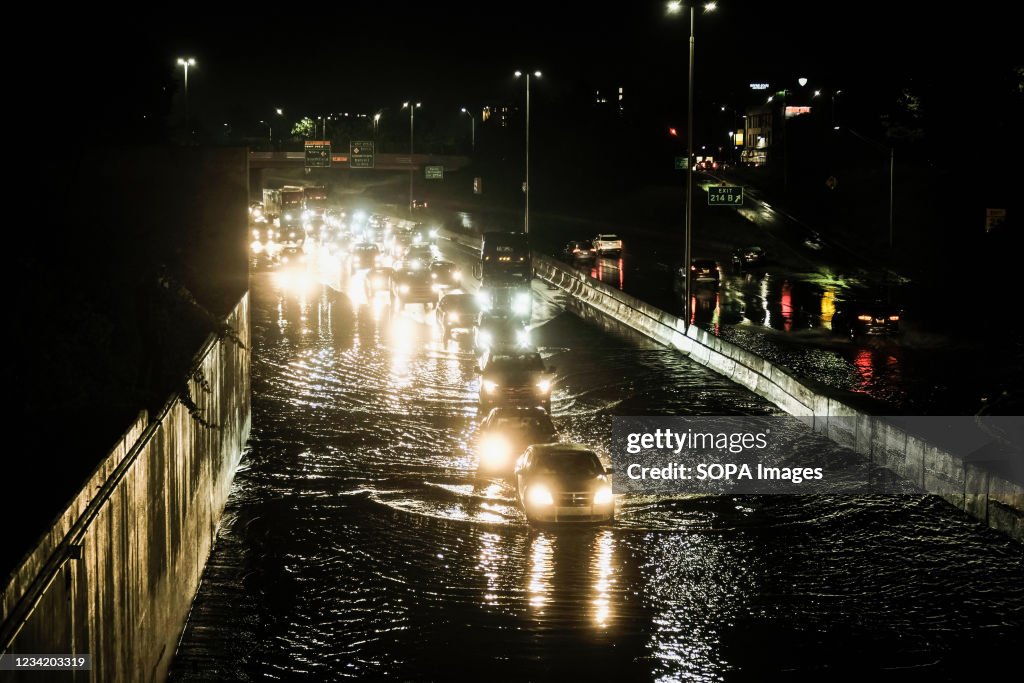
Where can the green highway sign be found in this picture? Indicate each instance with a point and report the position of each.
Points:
(360, 154)
(318, 154)
(731, 195)
(680, 164)
(434, 172)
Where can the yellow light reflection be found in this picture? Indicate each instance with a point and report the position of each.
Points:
(539, 583)
(403, 342)
(828, 307)
(603, 573)
(490, 558)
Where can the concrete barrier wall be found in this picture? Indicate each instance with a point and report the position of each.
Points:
(116, 574)
(969, 486)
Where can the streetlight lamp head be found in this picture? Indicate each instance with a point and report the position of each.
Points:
(710, 7)
(723, 107)
(463, 110)
(418, 105)
(674, 7)
(191, 61)
(802, 81)
(536, 74)
(279, 112)
(404, 105)
(817, 92)
(771, 97)
(518, 73)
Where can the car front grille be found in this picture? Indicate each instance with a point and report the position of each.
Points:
(574, 499)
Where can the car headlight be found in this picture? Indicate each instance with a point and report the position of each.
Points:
(256, 234)
(483, 300)
(257, 247)
(433, 233)
(538, 495)
(457, 276)
(603, 495)
(490, 387)
(404, 289)
(523, 337)
(453, 317)
(287, 216)
(544, 386)
(494, 450)
(291, 235)
(484, 340)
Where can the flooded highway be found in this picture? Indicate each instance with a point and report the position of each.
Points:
(359, 541)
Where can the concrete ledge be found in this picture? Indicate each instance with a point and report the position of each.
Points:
(968, 486)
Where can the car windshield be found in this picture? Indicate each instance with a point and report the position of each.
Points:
(533, 425)
(512, 362)
(569, 463)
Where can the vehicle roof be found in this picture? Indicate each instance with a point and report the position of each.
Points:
(457, 300)
(559, 448)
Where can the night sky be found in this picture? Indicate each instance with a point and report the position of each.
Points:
(373, 55)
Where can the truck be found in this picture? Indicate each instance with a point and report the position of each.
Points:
(271, 204)
(314, 201)
(292, 198)
(504, 259)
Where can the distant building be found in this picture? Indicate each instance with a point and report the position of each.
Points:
(498, 112)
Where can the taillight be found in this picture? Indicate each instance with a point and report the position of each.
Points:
(894, 318)
(864, 318)
(693, 267)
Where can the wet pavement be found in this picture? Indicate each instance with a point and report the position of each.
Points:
(358, 540)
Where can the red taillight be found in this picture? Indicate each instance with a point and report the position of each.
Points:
(894, 318)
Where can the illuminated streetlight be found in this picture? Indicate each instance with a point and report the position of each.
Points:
(412, 107)
(472, 129)
(186, 62)
(675, 7)
(526, 185)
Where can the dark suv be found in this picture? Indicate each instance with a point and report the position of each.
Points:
(514, 377)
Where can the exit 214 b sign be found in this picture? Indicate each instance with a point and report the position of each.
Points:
(731, 195)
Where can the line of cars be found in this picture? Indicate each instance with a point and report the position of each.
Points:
(555, 482)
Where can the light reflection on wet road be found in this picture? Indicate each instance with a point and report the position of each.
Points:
(358, 541)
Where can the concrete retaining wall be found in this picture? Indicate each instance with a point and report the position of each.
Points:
(969, 486)
(116, 574)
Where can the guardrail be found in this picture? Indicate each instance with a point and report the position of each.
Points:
(970, 486)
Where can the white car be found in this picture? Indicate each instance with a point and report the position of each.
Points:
(607, 244)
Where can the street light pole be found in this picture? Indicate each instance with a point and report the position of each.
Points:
(186, 62)
(412, 118)
(472, 130)
(526, 185)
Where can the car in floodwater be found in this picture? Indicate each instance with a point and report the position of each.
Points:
(445, 276)
(748, 257)
(499, 330)
(703, 272)
(457, 311)
(514, 377)
(507, 431)
(563, 482)
(867, 318)
(377, 280)
(412, 287)
(364, 256)
(578, 251)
